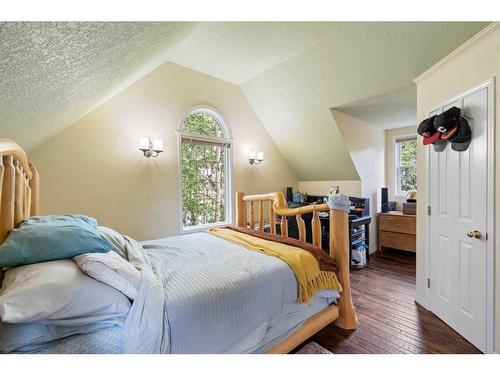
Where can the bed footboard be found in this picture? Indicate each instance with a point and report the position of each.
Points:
(338, 232)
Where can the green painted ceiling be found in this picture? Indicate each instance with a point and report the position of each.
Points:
(391, 109)
(292, 74)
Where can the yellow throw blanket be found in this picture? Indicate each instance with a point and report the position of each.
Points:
(304, 264)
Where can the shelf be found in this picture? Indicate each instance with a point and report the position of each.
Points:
(361, 231)
(358, 241)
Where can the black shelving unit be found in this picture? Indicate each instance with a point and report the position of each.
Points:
(359, 218)
(361, 235)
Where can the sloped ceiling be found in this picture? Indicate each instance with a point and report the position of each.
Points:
(354, 61)
(392, 109)
(53, 73)
(292, 73)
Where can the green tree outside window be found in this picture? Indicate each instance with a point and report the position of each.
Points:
(203, 167)
(407, 164)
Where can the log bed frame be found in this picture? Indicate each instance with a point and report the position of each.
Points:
(19, 199)
(343, 314)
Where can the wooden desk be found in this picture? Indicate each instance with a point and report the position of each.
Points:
(397, 231)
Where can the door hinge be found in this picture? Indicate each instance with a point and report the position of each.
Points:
(429, 210)
(428, 283)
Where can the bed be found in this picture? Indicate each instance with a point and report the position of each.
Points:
(199, 293)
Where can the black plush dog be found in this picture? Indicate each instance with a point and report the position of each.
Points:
(448, 126)
(454, 128)
(431, 136)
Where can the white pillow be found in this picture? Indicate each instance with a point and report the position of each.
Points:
(57, 293)
(112, 270)
(117, 240)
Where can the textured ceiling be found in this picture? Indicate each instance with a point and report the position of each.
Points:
(292, 74)
(53, 73)
(392, 109)
(239, 51)
(353, 61)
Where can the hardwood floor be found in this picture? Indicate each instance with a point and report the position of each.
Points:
(390, 320)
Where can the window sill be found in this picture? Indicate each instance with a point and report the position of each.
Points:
(202, 227)
(400, 195)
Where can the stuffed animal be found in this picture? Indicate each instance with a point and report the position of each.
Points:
(448, 126)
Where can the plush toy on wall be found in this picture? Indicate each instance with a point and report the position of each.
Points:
(449, 126)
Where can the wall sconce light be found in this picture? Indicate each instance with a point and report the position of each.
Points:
(150, 147)
(255, 158)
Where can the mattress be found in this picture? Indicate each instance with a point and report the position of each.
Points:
(215, 297)
(223, 298)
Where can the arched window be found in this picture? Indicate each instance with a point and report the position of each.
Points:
(205, 166)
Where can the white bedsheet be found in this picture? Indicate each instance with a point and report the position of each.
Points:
(198, 294)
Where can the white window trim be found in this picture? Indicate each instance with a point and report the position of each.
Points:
(227, 139)
(396, 161)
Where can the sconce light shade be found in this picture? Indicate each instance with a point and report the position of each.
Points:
(158, 145)
(251, 155)
(151, 148)
(255, 157)
(144, 143)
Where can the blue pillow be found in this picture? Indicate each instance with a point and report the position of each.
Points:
(80, 220)
(42, 239)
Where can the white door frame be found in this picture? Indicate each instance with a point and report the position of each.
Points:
(490, 214)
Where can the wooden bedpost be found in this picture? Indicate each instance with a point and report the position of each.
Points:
(339, 250)
(19, 184)
(241, 216)
(34, 184)
(8, 197)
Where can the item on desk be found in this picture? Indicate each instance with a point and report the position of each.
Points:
(391, 206)
(410, 208)
(359, 206)
(289, 194)
(339, 202)
(334, 189)
(384, 198)
(411, 197)
(299, 197)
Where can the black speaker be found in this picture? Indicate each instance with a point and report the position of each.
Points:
(289, 194)
(385, 199)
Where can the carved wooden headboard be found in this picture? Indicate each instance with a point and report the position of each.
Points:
(19, 184)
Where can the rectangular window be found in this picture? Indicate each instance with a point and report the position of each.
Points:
(203, 183)
(405, 158)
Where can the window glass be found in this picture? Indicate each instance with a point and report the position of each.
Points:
(205, 167)
(406, 168)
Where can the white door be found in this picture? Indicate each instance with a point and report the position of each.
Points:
(458, 192)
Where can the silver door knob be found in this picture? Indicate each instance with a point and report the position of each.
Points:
(474, 234)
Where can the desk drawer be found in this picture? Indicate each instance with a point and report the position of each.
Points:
(398, 223)
(400, 241)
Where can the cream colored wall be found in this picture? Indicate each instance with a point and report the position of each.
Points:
(95, 168)
(366, 145)
(390, 182)
(347, 187)
(476, 65)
